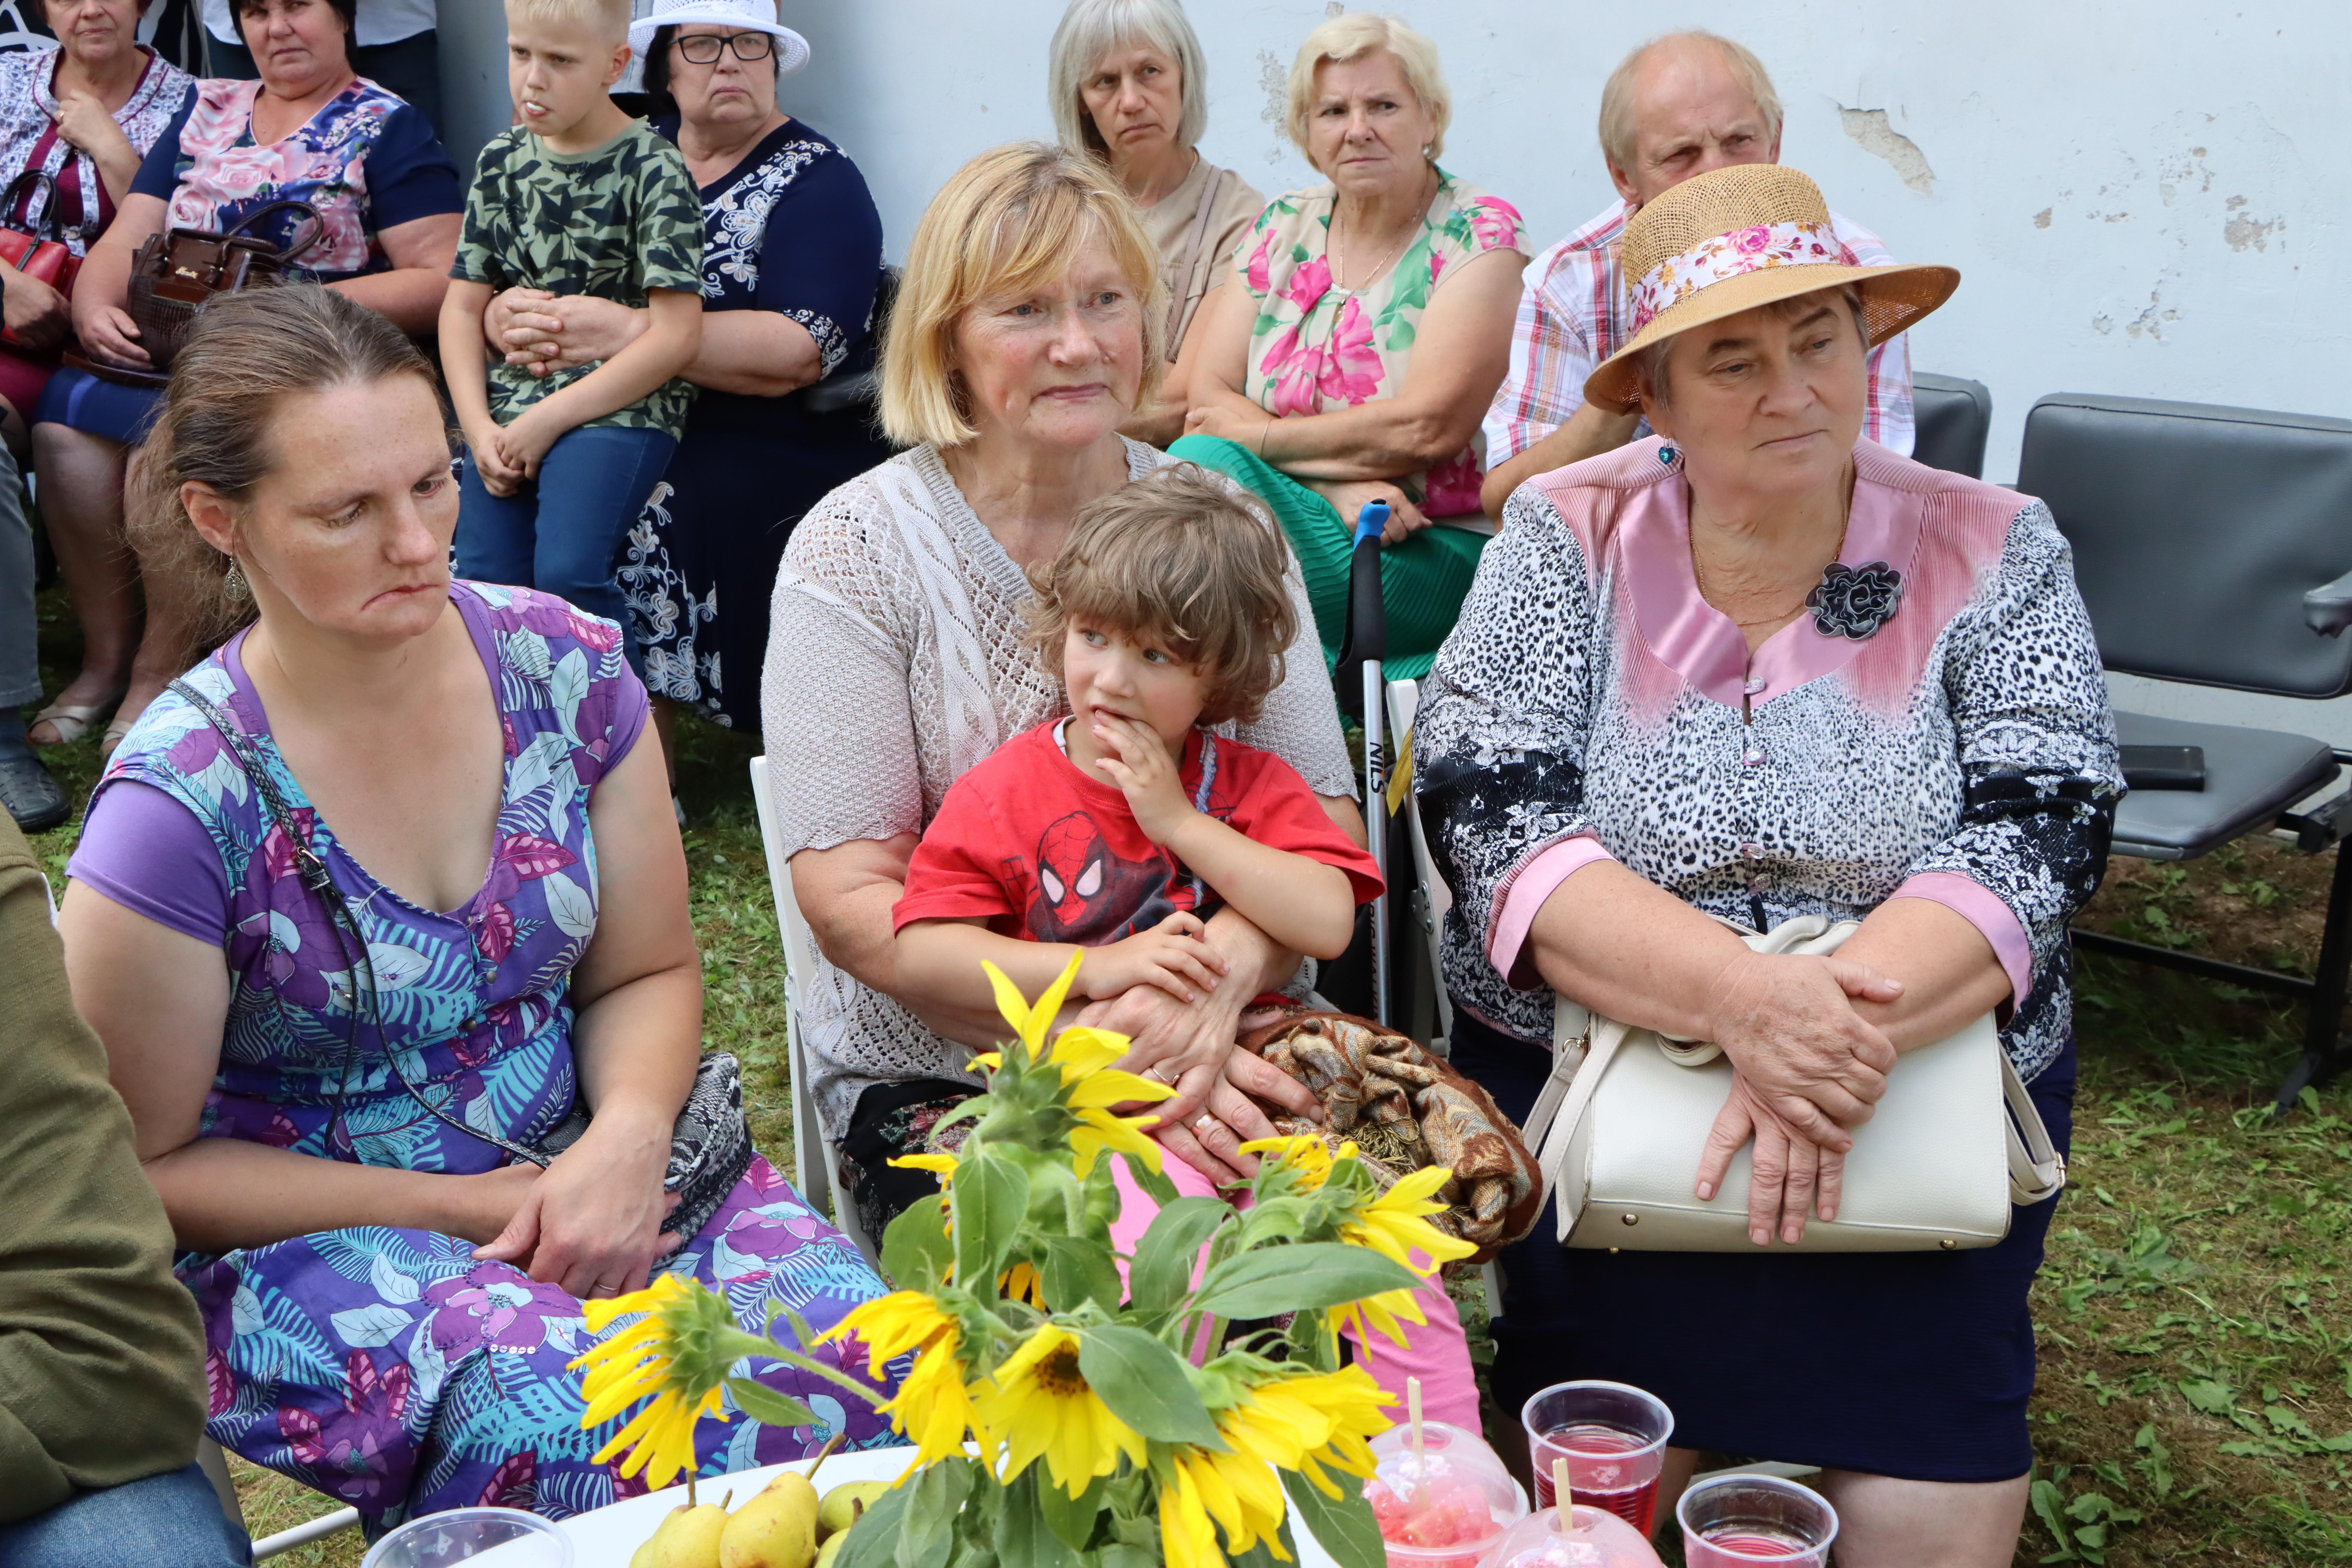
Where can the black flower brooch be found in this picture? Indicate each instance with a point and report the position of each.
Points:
(1854, 602)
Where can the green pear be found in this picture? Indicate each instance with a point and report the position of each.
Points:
(689, 1538)
(831, 1549)
(843, 1503)
(775, 1529)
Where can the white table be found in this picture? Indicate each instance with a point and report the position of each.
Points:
(610, 1536)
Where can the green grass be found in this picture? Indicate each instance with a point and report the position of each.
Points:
(2195, 1400)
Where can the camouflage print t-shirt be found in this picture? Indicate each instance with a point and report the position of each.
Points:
(614, 223)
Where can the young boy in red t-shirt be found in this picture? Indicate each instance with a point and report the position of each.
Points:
(1121, 830)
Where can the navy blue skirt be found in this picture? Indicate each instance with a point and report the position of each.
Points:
(80, 401)
(1912, 1364)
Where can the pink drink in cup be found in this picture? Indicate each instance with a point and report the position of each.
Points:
(1613, 1437)
(1753, 1521)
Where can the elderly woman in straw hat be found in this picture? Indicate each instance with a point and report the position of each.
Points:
(1757, 667)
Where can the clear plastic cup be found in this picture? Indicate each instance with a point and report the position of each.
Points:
(1443, 1508)
(1589, 1539)
(521, 1540)
(1747, 1521)
(1613, 1437)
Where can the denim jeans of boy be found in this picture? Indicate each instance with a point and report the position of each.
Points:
(562, 533)
(171, 1521)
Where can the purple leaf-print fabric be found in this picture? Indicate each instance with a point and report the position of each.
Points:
(386, 1366)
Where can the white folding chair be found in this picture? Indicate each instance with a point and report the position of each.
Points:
(812, 1154)
(1431, 896)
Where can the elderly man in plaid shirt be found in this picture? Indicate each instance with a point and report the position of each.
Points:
(1676, 107)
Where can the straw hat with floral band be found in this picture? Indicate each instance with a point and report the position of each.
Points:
(791, 51)
(1732, 239)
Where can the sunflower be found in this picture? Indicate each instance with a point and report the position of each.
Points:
(1041, 1404)
(1240, 1493)
(1020, 1282)
(1391, 1223)
(943, 1166)
(1384, 1313)
(654, 1355)
(933, 1406)
(1186, 1538)
(1303, 1423)
(1305, 1156)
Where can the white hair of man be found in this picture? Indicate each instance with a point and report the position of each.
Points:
(1617, 128)
(1090, 31)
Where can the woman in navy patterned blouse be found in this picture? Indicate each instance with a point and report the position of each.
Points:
(1758, 667)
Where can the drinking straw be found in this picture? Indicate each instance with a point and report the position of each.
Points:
(1419, 1460)
(1559, 1494)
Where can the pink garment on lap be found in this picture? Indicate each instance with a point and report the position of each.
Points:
(1438, 1355)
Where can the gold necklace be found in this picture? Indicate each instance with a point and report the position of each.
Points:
(1340, 270)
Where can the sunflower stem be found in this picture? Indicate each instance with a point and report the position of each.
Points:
(770, 1348)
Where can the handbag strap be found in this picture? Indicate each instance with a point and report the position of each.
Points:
(291, 252)
(42, 184)
(312, 870)
(1197, 236)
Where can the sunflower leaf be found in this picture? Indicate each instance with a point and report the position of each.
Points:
(1077, 1271)
(1157, 1186)
(1023, 1537)
(1145, 1386)
(1071, 1518)
(915, 1252)
(929, 1515)
(1165, 1257)
(765, 1406)
(992, 1196)
(873, 1541)
(1342, 1526)
(1277, 1280)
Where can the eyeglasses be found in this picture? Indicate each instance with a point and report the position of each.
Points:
(704, 49)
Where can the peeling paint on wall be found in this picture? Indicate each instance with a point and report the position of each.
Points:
(2152, 321)
(2042, 218)
(1873, 135)
(1273, 78)
(2241, 231)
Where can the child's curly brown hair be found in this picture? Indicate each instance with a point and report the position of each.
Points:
(1183, 556)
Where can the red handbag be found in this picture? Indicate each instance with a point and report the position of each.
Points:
(39, 255)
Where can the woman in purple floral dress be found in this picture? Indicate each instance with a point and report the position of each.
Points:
(390, 1298)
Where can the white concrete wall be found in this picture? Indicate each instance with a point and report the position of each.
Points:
(2144, 198)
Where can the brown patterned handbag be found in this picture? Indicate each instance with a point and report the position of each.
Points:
(179, 269)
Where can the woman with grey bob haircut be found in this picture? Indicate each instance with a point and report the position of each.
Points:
(1130, 87)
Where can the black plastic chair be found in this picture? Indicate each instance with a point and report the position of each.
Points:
(1953, 417)
(2214, 546)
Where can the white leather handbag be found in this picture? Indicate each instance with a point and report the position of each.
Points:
(1955, 1141)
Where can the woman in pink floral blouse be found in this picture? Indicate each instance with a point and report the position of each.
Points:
(1309, 391)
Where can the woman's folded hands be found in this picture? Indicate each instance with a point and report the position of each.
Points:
(1807, 1070)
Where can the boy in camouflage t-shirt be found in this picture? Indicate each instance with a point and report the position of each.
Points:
(577, 200)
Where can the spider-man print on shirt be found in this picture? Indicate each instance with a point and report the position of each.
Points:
(1084, 891)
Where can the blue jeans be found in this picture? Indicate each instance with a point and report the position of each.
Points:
(171, 1521)
(562, 533)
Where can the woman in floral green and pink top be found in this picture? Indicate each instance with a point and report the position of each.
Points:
(1310, 391)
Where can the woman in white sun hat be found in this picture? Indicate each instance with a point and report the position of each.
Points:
(1758, 667)
(792, 256)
